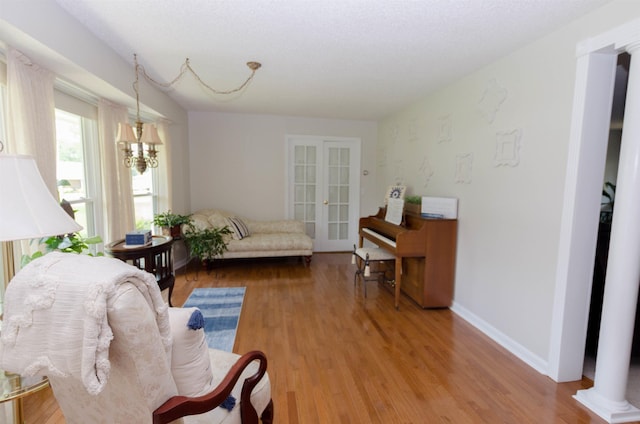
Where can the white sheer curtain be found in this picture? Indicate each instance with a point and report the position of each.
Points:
(31, 127)
(165, 165)
(31, 130)
(116, 178)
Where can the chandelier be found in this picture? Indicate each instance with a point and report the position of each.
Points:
(147, 134)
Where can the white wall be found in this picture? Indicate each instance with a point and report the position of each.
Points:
(238, 161)
(510, 213)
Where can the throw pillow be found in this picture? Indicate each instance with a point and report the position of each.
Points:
(238, 227)
(217, 219)
(190, 363)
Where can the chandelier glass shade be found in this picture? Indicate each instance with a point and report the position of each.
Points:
(149, 138)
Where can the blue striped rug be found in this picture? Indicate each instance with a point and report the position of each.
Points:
(221, 310)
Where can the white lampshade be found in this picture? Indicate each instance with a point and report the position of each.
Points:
(28, 210)
(125, 134)
(150, 135)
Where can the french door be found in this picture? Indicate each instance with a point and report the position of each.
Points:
(323, 189)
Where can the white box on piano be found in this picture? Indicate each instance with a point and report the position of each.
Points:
(439, 207)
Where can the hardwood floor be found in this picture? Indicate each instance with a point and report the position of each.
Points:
(336, 357)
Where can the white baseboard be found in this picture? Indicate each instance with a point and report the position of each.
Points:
(503, 340)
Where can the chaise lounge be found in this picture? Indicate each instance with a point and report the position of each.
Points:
(257, 239)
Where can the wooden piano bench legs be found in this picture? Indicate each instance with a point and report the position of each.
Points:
(364, 257)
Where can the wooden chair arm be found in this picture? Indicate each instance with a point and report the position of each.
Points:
(180, 406)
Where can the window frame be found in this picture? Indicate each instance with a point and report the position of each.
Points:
(155, 187)
(91, 168)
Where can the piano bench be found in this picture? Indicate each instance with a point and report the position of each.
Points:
(363, 257)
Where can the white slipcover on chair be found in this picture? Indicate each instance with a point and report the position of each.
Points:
(98, 328)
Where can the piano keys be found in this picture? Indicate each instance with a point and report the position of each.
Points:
(425, 251)
(379, 237)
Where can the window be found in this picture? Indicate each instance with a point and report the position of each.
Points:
(78, 168)
(144, 197)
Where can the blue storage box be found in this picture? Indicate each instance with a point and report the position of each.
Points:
(138, 238)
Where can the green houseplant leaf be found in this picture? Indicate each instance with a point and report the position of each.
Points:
(169, 219)
(208, 243)
(68, 243)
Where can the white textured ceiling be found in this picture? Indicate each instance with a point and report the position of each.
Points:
(350, 59)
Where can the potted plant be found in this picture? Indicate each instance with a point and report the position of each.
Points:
(68, 243)
(413, 204)
(171, 223)
(206, 244)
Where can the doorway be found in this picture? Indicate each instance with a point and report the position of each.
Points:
(323, 189)
(595, 77)
(606, 212)
(591, 121)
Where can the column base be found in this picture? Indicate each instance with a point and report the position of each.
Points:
(611, 411)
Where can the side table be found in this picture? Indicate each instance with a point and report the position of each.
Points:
(155, 258)
(13, 387)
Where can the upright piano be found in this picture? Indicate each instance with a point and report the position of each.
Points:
(425, 251)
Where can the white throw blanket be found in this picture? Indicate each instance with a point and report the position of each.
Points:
(55, 320)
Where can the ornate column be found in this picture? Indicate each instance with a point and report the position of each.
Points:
(607, 397)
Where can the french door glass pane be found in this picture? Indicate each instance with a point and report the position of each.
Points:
(311, 174)
(338, 193)
(344, 157)
(311, 213)
(344, 213)
(311, 154)
(333, 213)
(334, 157)
(334, 175)
(344, 175)
(344, 231)
(311, 193)
(304, 195)
(344, 194)
(333, 231)
(333, 195)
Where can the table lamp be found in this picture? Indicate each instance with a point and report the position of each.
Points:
(28, 210)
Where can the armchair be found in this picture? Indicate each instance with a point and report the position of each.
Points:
(99, 329)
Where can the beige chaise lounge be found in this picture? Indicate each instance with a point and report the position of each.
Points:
(257, 239)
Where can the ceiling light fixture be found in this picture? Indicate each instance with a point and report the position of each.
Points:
(147, 134)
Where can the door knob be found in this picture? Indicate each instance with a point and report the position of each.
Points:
(326, 202)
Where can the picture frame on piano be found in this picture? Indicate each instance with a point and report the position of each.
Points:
(395, 191)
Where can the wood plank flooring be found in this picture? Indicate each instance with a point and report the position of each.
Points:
(336, 357)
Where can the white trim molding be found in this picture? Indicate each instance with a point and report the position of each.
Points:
(531, 359)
